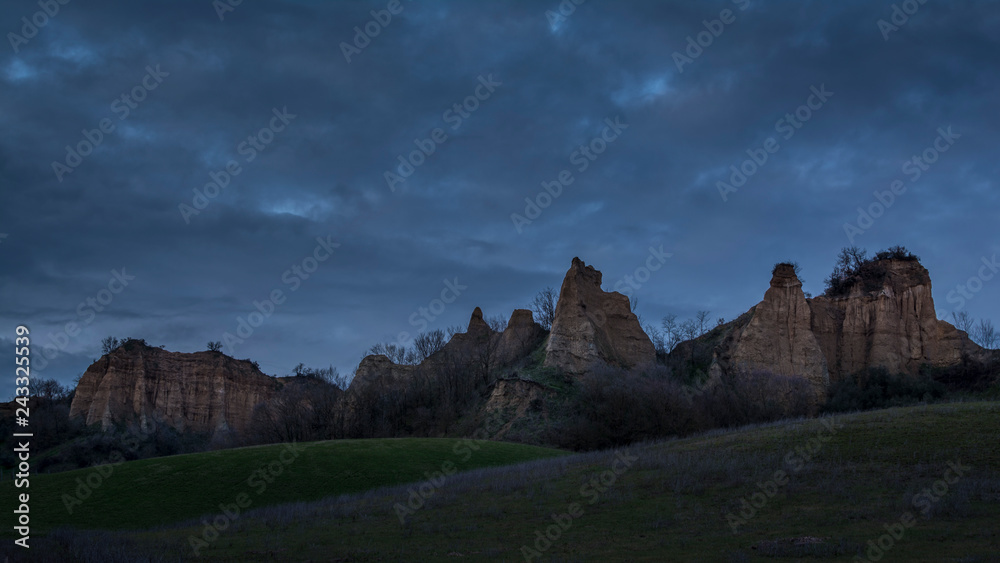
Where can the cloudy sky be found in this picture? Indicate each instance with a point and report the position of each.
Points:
(165, 172)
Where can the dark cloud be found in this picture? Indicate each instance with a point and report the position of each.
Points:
(322, 175)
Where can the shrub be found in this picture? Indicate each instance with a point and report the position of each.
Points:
(854, 266)
(897, 253)
(876, 388)
(793, 265)
(614, 407)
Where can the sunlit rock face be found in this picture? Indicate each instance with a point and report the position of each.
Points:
(205, 392)
(592, 326)
(892, 324)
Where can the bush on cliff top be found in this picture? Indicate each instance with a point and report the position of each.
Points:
(854, 266)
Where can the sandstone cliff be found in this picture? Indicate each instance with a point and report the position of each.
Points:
(886, 321)
(205, 392)
(889, 322)
(778, 336)
(592, 326)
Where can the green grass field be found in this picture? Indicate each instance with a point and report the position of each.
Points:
(844, 480)
(164, 490)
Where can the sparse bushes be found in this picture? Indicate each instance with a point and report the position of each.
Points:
(876, 388)
(897, 253)
(793, 265)
(328, 374)
(674, 333)
(854, 266)
(755, 396)
(616, 407)
(968, 375)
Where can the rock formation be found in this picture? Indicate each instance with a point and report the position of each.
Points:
(887, 320)
(380, 370)
(778, 336)
(205, 392)
(592, 326)
(890, 323)
(478, 347)
(521, 337)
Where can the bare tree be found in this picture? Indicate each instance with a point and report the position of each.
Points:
(109, 344)
(671, 332)
(49, 389)
(985, 335)
(544, 307)
(657, 337)
(427, 343)
(397, 353)
(215, 346)
(964, 321)
(849, 262)
(702, 320)
(497, 323)
(689, 329)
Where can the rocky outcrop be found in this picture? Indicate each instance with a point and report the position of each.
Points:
(479, 347)
(890, 323)
(521, 337)
(511, 402)
(885, 320)
(380, 370)
(592, 326)
(204, 392)
(778, 335)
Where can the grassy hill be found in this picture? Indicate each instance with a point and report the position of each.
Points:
(164, 490)
(806, 490)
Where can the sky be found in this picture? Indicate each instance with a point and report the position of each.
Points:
(302, 180)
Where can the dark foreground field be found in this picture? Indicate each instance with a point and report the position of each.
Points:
(904, 484)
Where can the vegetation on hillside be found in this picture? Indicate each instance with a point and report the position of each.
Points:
(844, 482)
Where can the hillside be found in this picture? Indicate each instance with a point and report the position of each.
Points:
(844, 480)
(167, 489)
